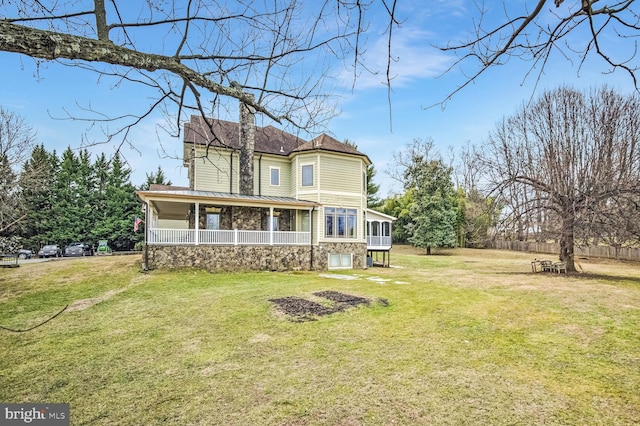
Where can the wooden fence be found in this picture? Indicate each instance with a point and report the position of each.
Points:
(623, 253)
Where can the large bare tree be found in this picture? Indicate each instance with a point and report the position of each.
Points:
(272, 56)
(538, 30)
(568, 154)
(17, 140)
(275, 58)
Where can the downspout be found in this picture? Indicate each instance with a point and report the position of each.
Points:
(145, 267)
(231, 174)
(311, 228)
(197, 224)
(260, 175)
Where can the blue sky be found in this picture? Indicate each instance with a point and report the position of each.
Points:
(42, 95)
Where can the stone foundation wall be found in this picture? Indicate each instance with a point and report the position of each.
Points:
(359, 251)
(256, 258)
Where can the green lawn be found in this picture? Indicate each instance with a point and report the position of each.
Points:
(461, 337)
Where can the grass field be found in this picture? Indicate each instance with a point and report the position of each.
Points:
(460, 337)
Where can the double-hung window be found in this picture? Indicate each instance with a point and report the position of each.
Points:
(307, 175)
(275, 176)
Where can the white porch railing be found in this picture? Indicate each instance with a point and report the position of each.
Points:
(226, 237)
(378, 241)
(173, 236)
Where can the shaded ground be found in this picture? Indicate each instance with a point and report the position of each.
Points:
(300, 309)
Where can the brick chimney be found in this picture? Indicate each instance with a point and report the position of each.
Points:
(247, 146)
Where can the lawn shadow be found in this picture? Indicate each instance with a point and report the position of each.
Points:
(585, 275)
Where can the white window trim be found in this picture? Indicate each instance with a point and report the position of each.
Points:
(313, 177)
(271, 169)
(342, 256)
(335, 236)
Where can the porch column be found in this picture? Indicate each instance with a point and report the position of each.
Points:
(197, 227)
(270, 226)
(153, 218)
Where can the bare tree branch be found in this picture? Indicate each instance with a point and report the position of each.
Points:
(531, 35)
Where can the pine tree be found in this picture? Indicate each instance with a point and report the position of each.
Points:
(373, 200)
(36, 181)
(86, 198)
(157, 178)
(66, 204)
(121, 208)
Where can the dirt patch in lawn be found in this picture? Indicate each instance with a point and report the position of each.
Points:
(299, 309)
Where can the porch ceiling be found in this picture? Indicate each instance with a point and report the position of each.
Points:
(171, 210)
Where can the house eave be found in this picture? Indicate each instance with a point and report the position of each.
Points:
(371, 212)
(225, 199)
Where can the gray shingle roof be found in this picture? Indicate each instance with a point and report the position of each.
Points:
(268, 140)
(226, 134)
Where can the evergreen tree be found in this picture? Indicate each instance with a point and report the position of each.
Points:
(399, 206)
(67, 207)
(86, 198)
(373, 200)
(37, 178)
(101, 175)
(434, 212)
(121, 208)
(157, 178)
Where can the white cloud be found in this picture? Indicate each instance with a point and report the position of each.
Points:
(412, 57)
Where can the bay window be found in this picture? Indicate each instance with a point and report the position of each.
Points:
(340, 222)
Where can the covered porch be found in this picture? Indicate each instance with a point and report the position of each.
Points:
(185, 217)
(379, 227)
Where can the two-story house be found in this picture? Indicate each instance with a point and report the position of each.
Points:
(307, 209)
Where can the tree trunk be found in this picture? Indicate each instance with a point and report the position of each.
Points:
(428, 250)
(247, 145)
(567, 243)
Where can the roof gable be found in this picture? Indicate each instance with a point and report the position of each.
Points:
(327, 143)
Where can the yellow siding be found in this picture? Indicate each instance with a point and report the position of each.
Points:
(262, 176)
(343, 174)
(306, 192)
(213, 172)
(337, 179)
(293, 184)
(340, 200)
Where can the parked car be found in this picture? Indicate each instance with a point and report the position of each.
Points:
(78, 249)
(50, 250)
(25, 254)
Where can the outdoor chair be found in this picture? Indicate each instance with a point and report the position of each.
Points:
(546, 265)
(559, 267)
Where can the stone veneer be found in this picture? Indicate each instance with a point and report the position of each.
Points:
(257, 258)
